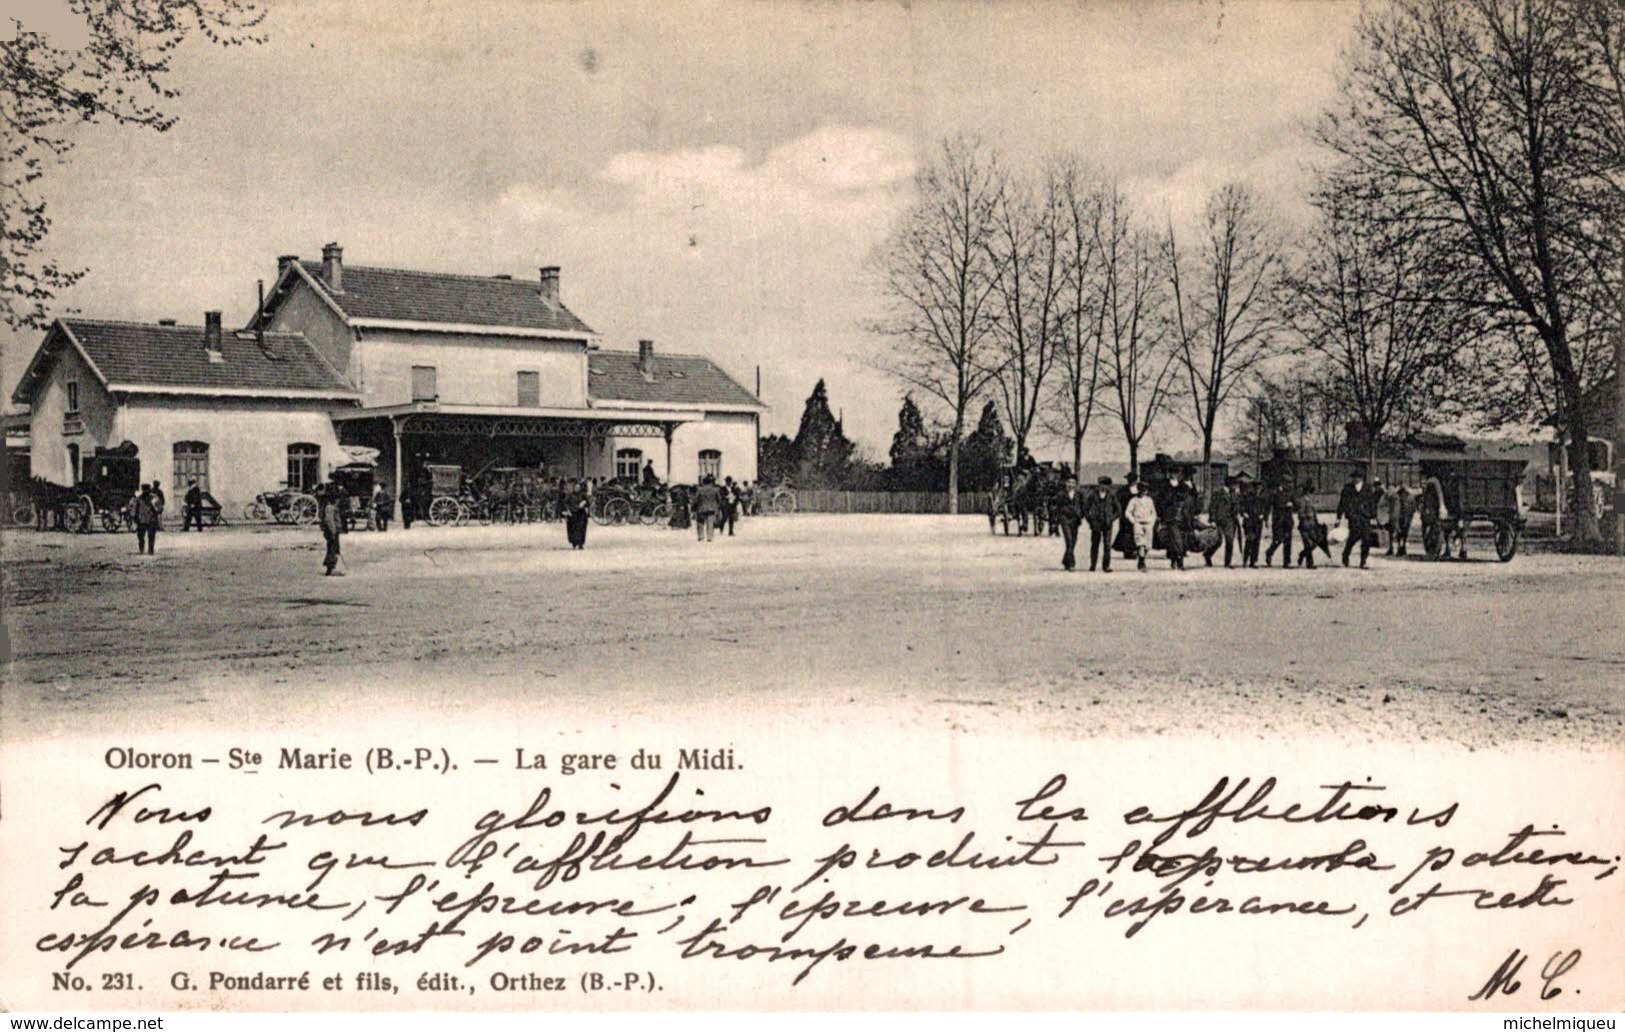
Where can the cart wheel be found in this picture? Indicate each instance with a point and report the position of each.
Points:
(598, 512)
(1506, 541)
(443, 511)
(1433, 540)
(302, 511)
(784, 502)
(256, 511)
(23, 515)
(110, 521)
(660, 515)
(617, 511)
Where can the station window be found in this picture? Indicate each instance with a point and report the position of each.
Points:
(628, 462)
(304, 466)
(191, 463)
(424, 385)
(530, 389)
(73, 397)
(710, 463)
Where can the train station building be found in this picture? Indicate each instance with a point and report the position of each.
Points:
(423, 367)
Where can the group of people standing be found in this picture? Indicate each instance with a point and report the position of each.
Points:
(1234, 515)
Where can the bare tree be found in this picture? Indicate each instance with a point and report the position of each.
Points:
(1367, 301)
(121, 74)
(1223, 303)
(1297, 408)
(1488, 123)
(1137, 348)
(1071, 406)
(1028, 248)
(940, 279)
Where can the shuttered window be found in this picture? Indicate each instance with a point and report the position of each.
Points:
(424, 385)
(530, 389)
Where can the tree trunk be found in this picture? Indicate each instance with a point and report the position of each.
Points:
(1207, 469)
(1077, 453)
(1134, 458)
(953, 463)
(1619, 419)
(1586, 526)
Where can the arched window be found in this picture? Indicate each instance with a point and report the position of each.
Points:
(304, 466)
(711, 463)
(73, 464)
(191, 463)
(628, 462)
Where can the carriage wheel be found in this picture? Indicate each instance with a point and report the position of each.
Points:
(76, 517)
(110, 521)
(23, 515)
(302, 510)
(784, 503)
(256, 511)
(617, 511)
(443, 511)
(1433, 540)
(1506, 541)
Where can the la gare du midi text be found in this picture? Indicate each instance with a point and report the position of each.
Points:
(380, 758)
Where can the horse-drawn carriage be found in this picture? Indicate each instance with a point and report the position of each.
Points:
(1024, 496)
(625, 500)
(516, 494)
(109, 481)
(1472, 491)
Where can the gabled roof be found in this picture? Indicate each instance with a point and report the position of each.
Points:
(688, 380)
(148, 357)
(403, 295)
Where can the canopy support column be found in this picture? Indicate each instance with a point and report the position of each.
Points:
(400, 483)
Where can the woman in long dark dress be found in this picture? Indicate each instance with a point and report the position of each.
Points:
(579, 502)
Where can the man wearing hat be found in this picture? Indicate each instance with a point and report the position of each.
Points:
(1358, 505)
(1101, 509)
(1068, 514)
(1252, 522)
(1221, 511)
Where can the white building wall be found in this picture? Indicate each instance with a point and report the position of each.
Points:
(248, 442)
(469, 370)
(731, 433)
(49, 437)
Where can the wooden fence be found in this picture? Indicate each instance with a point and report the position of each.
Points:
(911, 502)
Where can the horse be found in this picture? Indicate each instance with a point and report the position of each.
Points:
(1024, 497)
(51, 503)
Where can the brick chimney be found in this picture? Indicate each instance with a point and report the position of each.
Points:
(211, 336)
(550, 285)
(333, 267)
(646, 358)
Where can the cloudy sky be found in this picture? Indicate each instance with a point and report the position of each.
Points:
(710, 175)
